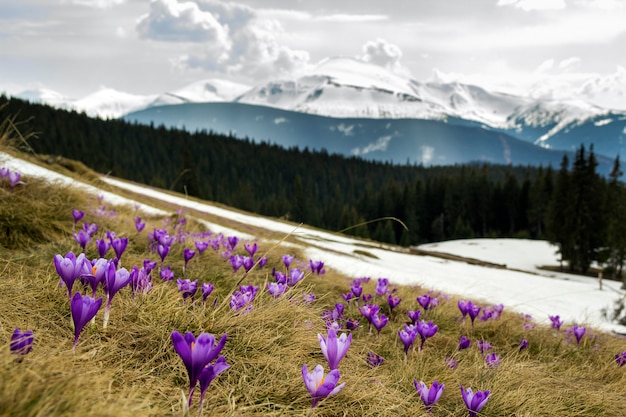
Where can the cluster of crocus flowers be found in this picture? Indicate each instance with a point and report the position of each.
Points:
(468, 308)
(21, 341)
(10, 178)
(620, 358)
(187, 288)
(243, 297)
(556, 322)
(317, 267)
(197, 355)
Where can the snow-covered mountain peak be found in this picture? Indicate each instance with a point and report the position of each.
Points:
(204, 91)
(354, 72)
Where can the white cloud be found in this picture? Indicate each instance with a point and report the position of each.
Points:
(528, 5)
(99, 4)
(384, 54)
(352, 18)
(381, 144)
(234, 38)
(174, 21)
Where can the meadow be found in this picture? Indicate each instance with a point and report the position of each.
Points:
(273, 309)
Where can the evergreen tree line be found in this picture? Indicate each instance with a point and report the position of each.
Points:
(576, 208)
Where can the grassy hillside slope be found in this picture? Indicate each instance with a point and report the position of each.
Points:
(131, 368)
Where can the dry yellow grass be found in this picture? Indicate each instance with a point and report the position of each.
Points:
(131, 368)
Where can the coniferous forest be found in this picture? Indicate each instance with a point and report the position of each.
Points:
(571, 205)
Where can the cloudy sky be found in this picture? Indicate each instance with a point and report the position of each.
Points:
(551, 48)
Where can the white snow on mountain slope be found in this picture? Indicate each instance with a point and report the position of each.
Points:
(205, 91)
(575, 299)
(110, 103)
(44, 95)
(348, 87)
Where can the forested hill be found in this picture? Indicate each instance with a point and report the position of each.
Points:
(316, 188)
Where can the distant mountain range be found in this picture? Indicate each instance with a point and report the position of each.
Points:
(355, 108)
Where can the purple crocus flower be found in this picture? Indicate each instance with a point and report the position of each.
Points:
(474, 401)
(452, 363)
(119, 246)
(426, 330)
(82, 238)
(295, 275)
(207, 289)
(356, 290)
(334, 348)
(247, 262)
(393, 301)
(139, 224)
(90, 229)
(187, 287)
(483, 346)
(319, 386)
(114, 280)
(102, 246)
(429, 395)
(620, 358)
(232, 242)
(201, 246)
(251, 249)
(209, 373)
(69, 268)
(163, 251)
(188, 254)
(369, 310)
(492, 360)
(243, 297)
(149, 265)
(276, 289)
(381, 287)
(280, 277)
(414, 315)
(21, 341)
(262, 261)
(523, 344)
(83, 310)
(472, 311)
(166, 274)
(556, 322)
(317, 267)
(236, 261)
(96, 275)
(374, 360)
(352, 324)
(347, 296)
(379, 321)
(14, 179)
(579, 332)
(407, 338)
(462, 304)
(427, 302)
(196, 354)
(77, 214)
(464, 342)
(287, 260)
